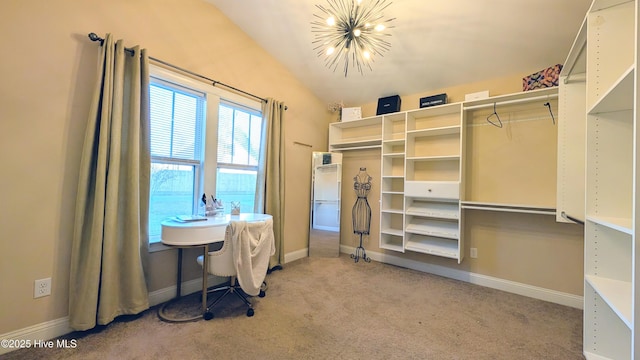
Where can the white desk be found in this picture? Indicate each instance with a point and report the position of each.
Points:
(189, 234)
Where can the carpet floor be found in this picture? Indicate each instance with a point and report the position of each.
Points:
(333, 308)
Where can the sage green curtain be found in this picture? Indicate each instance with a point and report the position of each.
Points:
(273, 114)
(111, 219)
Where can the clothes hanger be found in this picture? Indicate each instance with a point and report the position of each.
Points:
(499, 124)
(547, 104)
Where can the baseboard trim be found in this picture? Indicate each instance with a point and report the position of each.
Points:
(535, 292)
(43, 331)
(296, 255)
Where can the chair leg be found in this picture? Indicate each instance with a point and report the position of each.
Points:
(234, 288)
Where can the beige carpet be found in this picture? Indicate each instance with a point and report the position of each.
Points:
(333, 308)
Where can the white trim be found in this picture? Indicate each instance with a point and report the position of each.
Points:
(200, 85)
(43, 331)
(293, 256)
(531, 291)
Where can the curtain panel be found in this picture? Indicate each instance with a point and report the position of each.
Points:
(273, 113)
(111, 218)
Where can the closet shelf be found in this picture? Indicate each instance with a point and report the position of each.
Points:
(434, 158)
(393, 247)
(394, 155)
(445, 130)
(392, 211)
(392, 231)
(433, 230)
(522, 97)
(432, 213)
(433, 246)
(618, 97)
(623, 225)
(617, 294)
(516, 208)
(357, 142)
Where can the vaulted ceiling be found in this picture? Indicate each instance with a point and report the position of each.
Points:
(434, 43)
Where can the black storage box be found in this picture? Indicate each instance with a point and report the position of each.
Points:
(434, 100)
(389, 104)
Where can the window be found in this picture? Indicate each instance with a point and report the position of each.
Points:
(177, 117)
(203, 140)
(239, 145)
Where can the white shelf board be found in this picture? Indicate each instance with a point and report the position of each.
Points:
(445, 130)
(591, 356)
(516, 208)
(392, 247)
(434, 158)
(392, 231)
(438, 110)
(623, 225)
(435, 211)
(392, 211)
(616, 293)
(434, 246)
(521, 97)
(394, 141)
(393, 155)
(352, 142)
(618, 97)
(435, 231)
(376, 120)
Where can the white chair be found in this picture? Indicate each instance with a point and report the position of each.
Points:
(244, 258)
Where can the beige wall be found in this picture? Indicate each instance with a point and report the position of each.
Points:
(48, 73)
(525, 248)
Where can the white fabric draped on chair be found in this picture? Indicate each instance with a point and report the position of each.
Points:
(111, 221)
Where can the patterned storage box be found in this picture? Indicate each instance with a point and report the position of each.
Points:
(542, 79)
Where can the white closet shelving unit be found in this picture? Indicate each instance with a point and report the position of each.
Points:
(392, 196)
(423, 170)
(357, 134)
(432, 181)
(611, 252)
(494, 182)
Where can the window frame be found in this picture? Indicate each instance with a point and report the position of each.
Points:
(206, 179)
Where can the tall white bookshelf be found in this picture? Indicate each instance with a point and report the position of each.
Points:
(611, 254)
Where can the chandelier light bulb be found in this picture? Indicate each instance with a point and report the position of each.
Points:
(379, 27)
(356, 32)
(366, 54)
(330, 50)
(331, 21)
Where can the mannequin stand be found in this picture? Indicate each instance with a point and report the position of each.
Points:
(360, 253)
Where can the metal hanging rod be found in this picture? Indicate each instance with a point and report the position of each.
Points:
(95, 37)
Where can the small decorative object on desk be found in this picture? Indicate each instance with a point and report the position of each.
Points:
(235, 208)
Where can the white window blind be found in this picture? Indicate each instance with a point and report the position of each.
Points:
(176, 136)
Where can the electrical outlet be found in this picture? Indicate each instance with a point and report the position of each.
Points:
(42, 288)
(474, 253)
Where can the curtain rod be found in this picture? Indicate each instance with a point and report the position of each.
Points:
(95, 37)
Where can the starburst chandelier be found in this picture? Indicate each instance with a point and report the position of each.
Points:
(351, 32)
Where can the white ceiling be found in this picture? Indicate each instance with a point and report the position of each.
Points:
(434, 43)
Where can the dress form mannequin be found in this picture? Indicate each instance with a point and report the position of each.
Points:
(361, 212)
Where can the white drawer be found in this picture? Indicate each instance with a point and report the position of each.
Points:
(432, 189)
